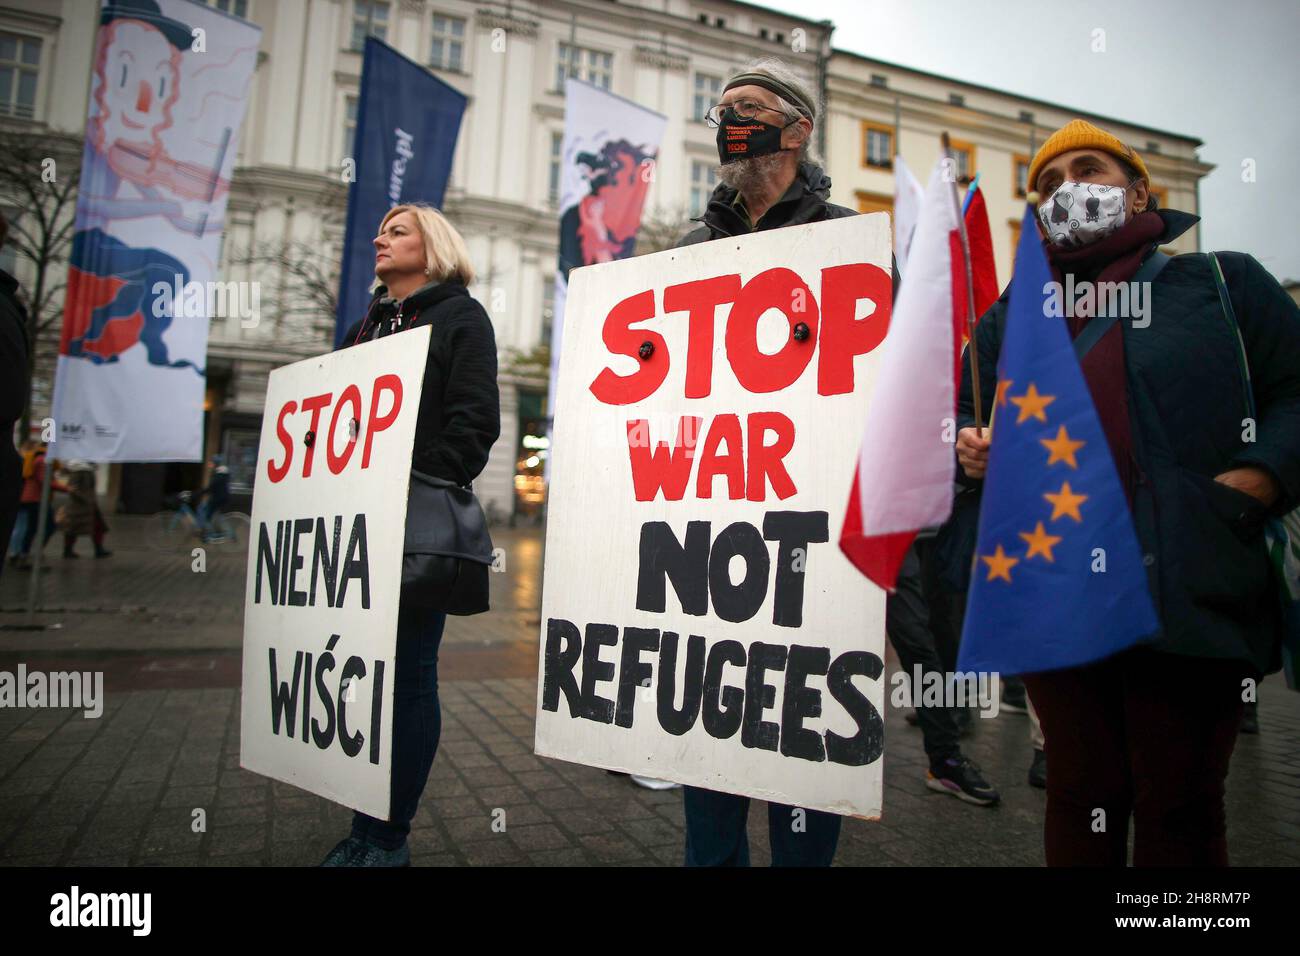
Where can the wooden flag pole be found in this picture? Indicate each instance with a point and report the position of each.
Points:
(970, 289)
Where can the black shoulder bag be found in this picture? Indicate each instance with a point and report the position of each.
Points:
(448, 551)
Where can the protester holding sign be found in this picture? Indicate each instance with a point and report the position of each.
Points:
(1199, 405)
(765, 125)
(424, 268)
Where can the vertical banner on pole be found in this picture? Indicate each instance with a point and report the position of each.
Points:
(169, 83)
(607, 164)
(407, 124)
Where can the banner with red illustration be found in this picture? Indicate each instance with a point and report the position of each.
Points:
(168, 87)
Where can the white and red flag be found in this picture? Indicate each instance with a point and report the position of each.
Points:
(907, 463)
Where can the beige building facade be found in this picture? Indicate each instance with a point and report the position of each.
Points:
(286, 210)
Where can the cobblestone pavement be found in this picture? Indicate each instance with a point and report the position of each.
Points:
(122, 790)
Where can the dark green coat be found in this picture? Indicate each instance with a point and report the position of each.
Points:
(1202, 541)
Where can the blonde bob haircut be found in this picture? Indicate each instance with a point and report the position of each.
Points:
(445, 254)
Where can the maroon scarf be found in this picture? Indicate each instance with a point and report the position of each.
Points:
(1113, 259)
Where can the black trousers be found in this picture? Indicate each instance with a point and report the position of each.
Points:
(923, 620)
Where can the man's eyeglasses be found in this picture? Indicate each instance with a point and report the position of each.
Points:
(745, 109)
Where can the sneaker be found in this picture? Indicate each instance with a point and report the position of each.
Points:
(650, 783)
(1038, 770)
(345, 851)
(961, 778)
(1250, 719)
(371, 855)
(1013, 697)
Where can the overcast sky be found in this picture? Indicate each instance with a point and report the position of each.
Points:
(1226, 72)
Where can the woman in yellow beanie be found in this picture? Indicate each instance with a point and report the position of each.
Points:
(1147, 734)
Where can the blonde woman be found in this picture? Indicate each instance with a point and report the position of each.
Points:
(422, 269)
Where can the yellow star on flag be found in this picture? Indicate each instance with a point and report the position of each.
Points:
(1062, 448)
(1040, 542)
(1001, 398)
(1000, 564)
(1031, 404)
(1066, 502)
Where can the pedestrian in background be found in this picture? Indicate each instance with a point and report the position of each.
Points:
(424, 268)
(30, 504)
(82, 515)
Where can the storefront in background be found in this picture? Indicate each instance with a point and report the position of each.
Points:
(530, 456)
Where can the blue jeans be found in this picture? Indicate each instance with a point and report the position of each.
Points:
(715, 832)
(417, 723)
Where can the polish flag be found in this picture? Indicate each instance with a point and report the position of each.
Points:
(907, 209)
(979, 237)
(905, 472)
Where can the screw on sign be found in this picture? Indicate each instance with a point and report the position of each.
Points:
(385, 390)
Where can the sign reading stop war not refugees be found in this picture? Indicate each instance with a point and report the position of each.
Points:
(325, 567)
(699, 622)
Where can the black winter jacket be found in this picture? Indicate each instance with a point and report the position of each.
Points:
(805, 201)
(460, 407)
(1202, 541)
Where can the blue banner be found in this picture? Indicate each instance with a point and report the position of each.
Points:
(407, 124)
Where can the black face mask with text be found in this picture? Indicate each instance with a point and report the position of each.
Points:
(740, 138)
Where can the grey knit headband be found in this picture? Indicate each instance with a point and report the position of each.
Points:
(792, 96)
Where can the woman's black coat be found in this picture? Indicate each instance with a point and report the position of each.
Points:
(460, 407)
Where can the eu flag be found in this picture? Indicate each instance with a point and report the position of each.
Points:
(1058, 578)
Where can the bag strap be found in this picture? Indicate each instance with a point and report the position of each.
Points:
(1230, 314)
(1099, 325)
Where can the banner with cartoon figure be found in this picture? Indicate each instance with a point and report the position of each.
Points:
(606, 167)
(168, 87)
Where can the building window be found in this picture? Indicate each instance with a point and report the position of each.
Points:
(879, 79)
(582, 64)
(780, 38)
(448, 52)
(553, 181)
(875, 202)
(720, 23)
(704, 179)
(238, 8)
(20, 63)
(956, 99)
(1020, 175)
(349, 123)
(1026, 116)
(369, 18)
(1153, 146)
(708, 90)
(963, 155)
(762, 33)
(877, 145)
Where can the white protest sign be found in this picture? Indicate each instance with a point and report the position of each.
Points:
(325, 569)
(699, 622)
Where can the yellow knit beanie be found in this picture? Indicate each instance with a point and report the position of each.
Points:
(1078, 134)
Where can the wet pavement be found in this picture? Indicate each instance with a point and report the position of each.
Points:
(127, 788)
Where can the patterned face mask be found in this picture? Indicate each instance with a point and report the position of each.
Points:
(1080, 213)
